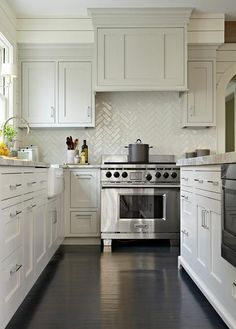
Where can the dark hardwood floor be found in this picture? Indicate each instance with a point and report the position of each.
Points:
(134, 287)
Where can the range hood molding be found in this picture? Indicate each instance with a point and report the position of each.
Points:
(139, 17)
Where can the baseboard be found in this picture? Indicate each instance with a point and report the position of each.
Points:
(82, 241)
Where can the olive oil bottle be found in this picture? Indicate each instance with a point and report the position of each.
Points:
(85, 150)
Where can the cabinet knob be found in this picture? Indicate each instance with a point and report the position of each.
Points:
(89, 111)
(15, 269)
(52, 111)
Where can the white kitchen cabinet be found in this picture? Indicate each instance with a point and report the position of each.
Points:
(28, 244)
(199, 102)
(23, 231)
(188, 226)
(84, 223)
(141, 58)
(83, 188)
(212, 274)
(82, 203)
(39, 92)
(12, 283)
(11, 228)
(57, 93)
(76, 100)
(40, 234)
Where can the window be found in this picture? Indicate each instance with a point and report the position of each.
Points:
(6, 89)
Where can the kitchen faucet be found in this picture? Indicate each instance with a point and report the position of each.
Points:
(18, 118)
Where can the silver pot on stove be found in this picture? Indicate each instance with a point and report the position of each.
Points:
(138, 152)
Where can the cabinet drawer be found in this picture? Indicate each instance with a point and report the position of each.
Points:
(35, 181)
(11, 185)
(207, 180)
(186, 177)
(84, 189)
(84, 223)
(12, 292)
(11, 235)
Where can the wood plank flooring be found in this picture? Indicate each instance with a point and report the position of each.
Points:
(134, 287)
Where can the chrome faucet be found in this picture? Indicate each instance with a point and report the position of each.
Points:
(17, 118)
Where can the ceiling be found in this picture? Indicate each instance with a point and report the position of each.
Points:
(39, 8)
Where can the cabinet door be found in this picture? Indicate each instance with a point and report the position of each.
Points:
(11, 235)
(28, 245)
(203, 234)
(75, 94)
(84, 185)
(209, 237)
(188, 227)
(40, 235)
(84, 224)
(141, 57)
(11, 284)
(200, 98)
(52, 223)
(38, 92)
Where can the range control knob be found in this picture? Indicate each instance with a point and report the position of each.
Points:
(148, 177)
(108, 174)
(124, 174)
(173, 174)
(165, 175)
(158, 174)
(116, 174)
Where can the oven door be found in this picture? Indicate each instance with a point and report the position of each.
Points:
(228, 248)
(140, 210)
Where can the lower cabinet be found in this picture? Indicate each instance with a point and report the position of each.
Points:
(188, 226)
(12, 283)
(82, 203)
(84, 223)
(201, 240)
(40, 234)
(30, 232)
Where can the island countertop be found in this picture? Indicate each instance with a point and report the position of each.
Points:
(214, 159)
(5, 161)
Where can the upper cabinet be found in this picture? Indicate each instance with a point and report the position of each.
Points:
(59, 92)
(199, 101)
(75, 94)
(39, 92)
(142, 58)
(140, 49)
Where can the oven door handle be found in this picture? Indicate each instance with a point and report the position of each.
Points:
(139, 186)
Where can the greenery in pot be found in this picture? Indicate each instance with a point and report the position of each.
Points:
(9, 133)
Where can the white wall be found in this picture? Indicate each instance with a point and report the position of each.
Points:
(121, 118)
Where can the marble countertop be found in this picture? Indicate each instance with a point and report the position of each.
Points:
(81, 166)
(215, 159)
(5, 161)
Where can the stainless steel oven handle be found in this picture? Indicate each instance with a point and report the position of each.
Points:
(131, 186)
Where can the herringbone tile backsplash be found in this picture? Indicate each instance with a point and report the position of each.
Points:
(121, 118)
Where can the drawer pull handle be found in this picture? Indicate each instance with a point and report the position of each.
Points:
(234, 284)
(15, 213)
(12, 187)
(215, 183)
(200, 181)
(32, 206)
(185, 179)
(15, 269)
(31, 183)
(184, 232)
(83, 216)
(83, 176)
(184, 197)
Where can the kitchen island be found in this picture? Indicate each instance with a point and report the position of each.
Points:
(201, 232)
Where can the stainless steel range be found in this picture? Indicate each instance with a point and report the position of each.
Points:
(140, 201)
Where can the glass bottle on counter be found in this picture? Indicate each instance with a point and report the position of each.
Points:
(85, 150)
